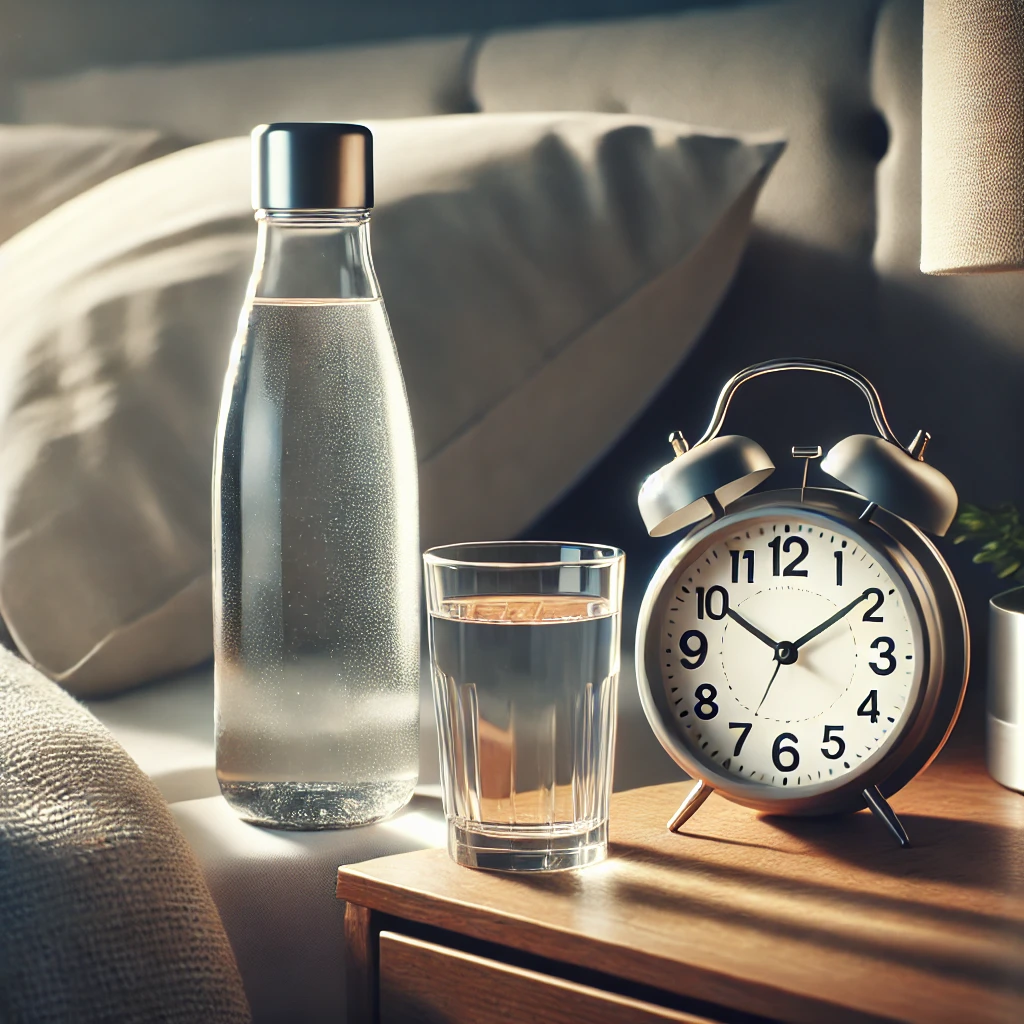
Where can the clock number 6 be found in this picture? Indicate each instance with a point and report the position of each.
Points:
(885, 656)
(779, 748)
(833, 755)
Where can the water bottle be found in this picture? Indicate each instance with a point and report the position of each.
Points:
(316, 548)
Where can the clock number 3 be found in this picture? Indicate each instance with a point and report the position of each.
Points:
(887, 662)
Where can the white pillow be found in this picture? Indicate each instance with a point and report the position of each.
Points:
(42, 166)
(543, 275)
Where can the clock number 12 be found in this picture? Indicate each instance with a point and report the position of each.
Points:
(791, 542)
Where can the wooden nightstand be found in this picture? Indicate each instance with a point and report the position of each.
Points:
(739, 918)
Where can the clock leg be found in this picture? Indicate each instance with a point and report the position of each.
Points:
(694, 799)
(881, 810)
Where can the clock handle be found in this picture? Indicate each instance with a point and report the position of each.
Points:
(881, 810)
(694, 799)
(867, 389)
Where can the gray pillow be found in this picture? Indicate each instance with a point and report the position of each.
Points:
(106, 916)
(543, 274)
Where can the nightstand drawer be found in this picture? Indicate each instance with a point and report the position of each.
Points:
(422, 983)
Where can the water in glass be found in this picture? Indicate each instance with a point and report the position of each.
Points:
(525, 691)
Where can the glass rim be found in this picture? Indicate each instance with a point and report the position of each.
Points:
(436, 555)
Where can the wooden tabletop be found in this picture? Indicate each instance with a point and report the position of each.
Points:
(803, 919)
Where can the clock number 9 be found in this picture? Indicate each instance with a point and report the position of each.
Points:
(694, 655)
(779, 747)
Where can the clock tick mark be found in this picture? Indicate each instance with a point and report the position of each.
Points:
(891, 721)
(843, 544)
(683, 714)
(727, 762)
(846, 764)
(784, 781)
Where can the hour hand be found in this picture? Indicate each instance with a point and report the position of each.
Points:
(751, 628)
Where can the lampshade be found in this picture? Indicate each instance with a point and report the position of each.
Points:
(972, 146)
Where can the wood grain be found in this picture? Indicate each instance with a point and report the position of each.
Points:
(799, 919)
(423, 983)
(361, 962)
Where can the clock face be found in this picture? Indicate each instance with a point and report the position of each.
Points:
(790, 652)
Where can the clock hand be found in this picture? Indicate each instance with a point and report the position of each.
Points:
(778, 665)
(751, 628)
(831, 621)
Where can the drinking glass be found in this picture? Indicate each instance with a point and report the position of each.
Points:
(524, 652)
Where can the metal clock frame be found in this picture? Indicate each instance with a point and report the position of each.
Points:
(942, 665)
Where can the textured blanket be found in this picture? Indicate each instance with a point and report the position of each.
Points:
(104, 915)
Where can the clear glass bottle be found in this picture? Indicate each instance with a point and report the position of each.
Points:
(316, 560)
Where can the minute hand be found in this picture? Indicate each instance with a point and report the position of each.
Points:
(842, 613)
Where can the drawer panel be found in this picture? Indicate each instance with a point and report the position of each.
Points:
(423, 983)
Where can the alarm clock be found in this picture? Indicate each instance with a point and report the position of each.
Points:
(801, 651)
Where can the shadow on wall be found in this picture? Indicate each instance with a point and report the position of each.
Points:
(933, 369)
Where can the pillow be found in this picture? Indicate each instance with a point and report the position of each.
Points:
(42, 166)
(543, 274)
(106, 916)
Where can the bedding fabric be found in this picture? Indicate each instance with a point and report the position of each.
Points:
(42, 166)
(106, 915)
(516, 254)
